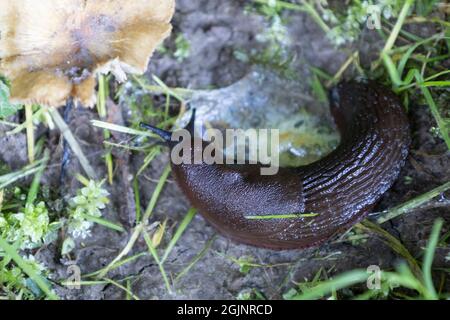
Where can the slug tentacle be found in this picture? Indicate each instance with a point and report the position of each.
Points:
(191, 124)
(323, 198)
(167, 135)
(163, 134)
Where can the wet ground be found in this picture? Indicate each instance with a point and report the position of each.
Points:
(215, 30)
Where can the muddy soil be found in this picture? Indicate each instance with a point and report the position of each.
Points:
(215, 30)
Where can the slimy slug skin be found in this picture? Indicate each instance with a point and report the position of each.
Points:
(338, 190)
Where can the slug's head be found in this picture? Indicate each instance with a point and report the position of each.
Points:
(166, 136)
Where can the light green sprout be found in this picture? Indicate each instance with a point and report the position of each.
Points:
(33, 223)
(3, 223)
(183, 48)
(6, 108)
(27, 228)
(88, 202)
(276, 33)
(347, 27)
(16, 284)
(37, 267)
(12, 279)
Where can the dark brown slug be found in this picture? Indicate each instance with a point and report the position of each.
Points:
(341, 189)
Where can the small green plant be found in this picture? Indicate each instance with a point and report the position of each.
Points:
(28, 227)
(6, 108)
(183, 48)
(83, 211)
(275, 39)
(16, 284)
(343, 25)
(142, 108)
(27, 222)
(250, 294)
(391, 284)
(346, 27)
(277, 32)
(246, 264)
(23, 223)
(88, 202)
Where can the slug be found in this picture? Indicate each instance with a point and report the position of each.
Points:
(339, 189)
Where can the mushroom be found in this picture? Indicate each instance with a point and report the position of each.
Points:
(52, 50)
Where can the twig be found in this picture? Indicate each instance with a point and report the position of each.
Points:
(30, 131)
(65, 130)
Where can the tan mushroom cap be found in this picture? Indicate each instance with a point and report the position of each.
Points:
(53, 49)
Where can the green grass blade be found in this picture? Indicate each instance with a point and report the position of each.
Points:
(413, 203)
(166, 89)
(121, 129)
(30, 131)
(103, 93)
(196, 259)
(283, 216)
(10, 178)
(183, 225)
(127, 291)
(429, 257)
(398, 25)
(137, 198)
(34, 189)
(22, 264)
(392, 70)
(327, 287)
(156, 193)
(153, 252)
(437, 84)
(105, 223)
(118, 264)
(435, 111)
